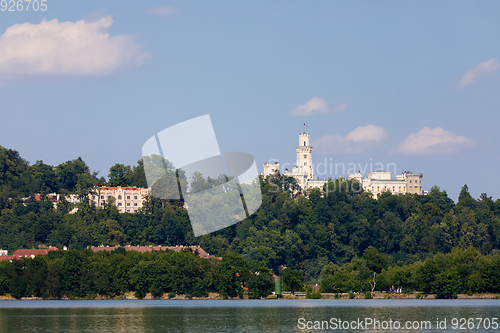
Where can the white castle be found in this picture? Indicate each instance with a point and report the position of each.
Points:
(376, 182)
(303, 171)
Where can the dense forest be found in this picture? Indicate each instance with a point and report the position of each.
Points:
(321, 234)
(86, 275)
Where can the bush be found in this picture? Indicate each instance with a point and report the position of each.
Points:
(140, 293)
(19, 287)
(368, 295)
(171, 294)
(351, 295)
(314, 295)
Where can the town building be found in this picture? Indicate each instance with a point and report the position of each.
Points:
(126, 199)
(193, 248)
(31, 253)
(26, 253)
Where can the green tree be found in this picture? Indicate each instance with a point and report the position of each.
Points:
(232, 275)
(375, 261)
(293, 280)
(261, 282)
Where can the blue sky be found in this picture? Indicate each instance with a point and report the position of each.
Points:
(410, 83)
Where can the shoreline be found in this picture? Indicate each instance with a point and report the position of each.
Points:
(216, 296)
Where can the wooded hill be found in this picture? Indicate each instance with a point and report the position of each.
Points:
(295, 231)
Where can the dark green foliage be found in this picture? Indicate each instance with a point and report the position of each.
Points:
(85, 274)
(339, 282)
(125, 175)
(375, 261)
(19, 287)
(261, 281)
(232, 274)
(293, 280)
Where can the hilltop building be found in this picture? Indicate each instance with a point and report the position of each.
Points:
(380, 181)
(375, 182)
(126, 199)
(303, 171)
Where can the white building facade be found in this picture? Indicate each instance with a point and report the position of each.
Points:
(126, 199)
(380, 181)
(376, 182)
(303, 171)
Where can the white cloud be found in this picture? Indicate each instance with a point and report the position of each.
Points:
(358, 141)
(367, 133)
(316, 106)
(482, 69)
(433, 141)
(79, 48)
(165, 11)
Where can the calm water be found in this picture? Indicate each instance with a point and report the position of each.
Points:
(241, 315)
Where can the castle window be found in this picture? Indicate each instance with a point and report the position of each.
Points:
(304, 143)
(393, 189)
(305, 156)
(102, 197)
(135, 197)
(305, 163)
(128, 203)
(119, 204)
(119, 197)
(400, 189)
(378, 188)
(128, 197)
(135, 204)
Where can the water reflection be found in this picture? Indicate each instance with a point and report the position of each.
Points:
(232, 316)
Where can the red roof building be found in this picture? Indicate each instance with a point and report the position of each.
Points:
(28, 253)
(202, 253)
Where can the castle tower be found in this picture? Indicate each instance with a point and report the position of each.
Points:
(304, 156)
(271, 168)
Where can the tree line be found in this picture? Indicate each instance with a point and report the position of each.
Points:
(446, 275)
(301, 232)
(86, 274)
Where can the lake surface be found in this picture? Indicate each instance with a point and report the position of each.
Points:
(249, 316)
